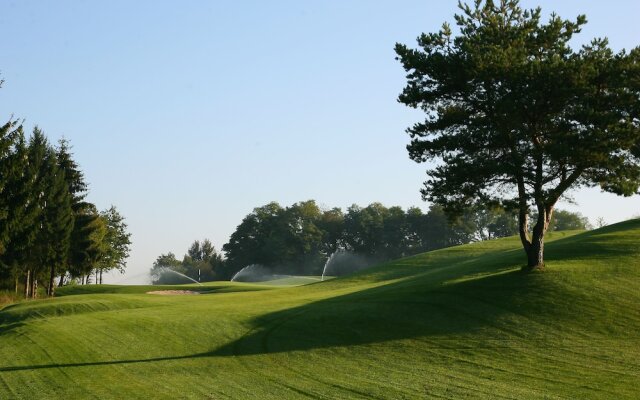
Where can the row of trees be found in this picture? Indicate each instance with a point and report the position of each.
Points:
(48, 231)
(298, 239)
(202, 263)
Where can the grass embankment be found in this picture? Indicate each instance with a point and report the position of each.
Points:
(8, 297)
(455, 323)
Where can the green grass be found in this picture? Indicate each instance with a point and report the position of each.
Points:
(455, 323)
(8, 297)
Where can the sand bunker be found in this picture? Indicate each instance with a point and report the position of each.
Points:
(172, 292)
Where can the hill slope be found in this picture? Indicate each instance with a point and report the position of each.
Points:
(455, 323)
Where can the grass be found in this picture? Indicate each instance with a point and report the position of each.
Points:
(8, 297)
(456, 323)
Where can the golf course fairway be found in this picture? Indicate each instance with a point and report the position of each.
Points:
(456, 323)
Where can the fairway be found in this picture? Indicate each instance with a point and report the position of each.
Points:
(456, 323)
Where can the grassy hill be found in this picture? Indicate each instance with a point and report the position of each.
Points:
(456, 323)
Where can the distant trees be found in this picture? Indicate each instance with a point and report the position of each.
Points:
(565, 220)
(300, 238)
(47, 229)
(201, 263)
(515, 117)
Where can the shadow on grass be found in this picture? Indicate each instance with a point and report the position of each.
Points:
(485, 292)
(402, 310)
(395, 311)
(442, 300)
(99, 363)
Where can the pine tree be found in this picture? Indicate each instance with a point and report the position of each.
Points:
(84, 215)
(9, 133)
(23, 211)
(58, 220)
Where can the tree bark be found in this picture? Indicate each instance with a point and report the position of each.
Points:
(101, 276)
(535, 254)
(27, 284)
(52, 278)
(61, 282)
(535, 251)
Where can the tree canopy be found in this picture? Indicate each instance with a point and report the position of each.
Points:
(47, 228)
(516, 117)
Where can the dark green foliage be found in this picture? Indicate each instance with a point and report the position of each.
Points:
(201, 261)
(73, 176)
(278, 237)
(22, 212)
(51, 229)
(300, 238)
(88, 243)
(515, 116)
(10, 171)
(57, 221)
(47, 229)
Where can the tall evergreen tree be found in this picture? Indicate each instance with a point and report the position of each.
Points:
(34, 259)
(83, 247)
(23, 210)
(9, 134)
(57, 222)
(73, 176)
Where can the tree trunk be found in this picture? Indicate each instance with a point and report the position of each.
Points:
(61, 282)
(535, 250)
(34, 288)
(535, 254)
(52, 278)
(101, 276)
(27, 284)
(16, 285)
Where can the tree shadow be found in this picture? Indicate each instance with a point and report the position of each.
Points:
(99, 363)
(401, 310)
(450, 298)
(487, 292)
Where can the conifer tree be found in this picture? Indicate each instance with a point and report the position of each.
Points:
(9, 133)
(22, 210)
(515, 116)
(57, 221)
(82, 246)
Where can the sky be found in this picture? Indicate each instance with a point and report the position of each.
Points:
(186, 115)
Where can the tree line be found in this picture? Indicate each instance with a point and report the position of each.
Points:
(49, 233)
(300, 238)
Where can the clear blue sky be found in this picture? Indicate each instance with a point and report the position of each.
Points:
(187, 115)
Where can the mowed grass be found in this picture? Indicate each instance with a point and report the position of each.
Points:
(456, 323)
